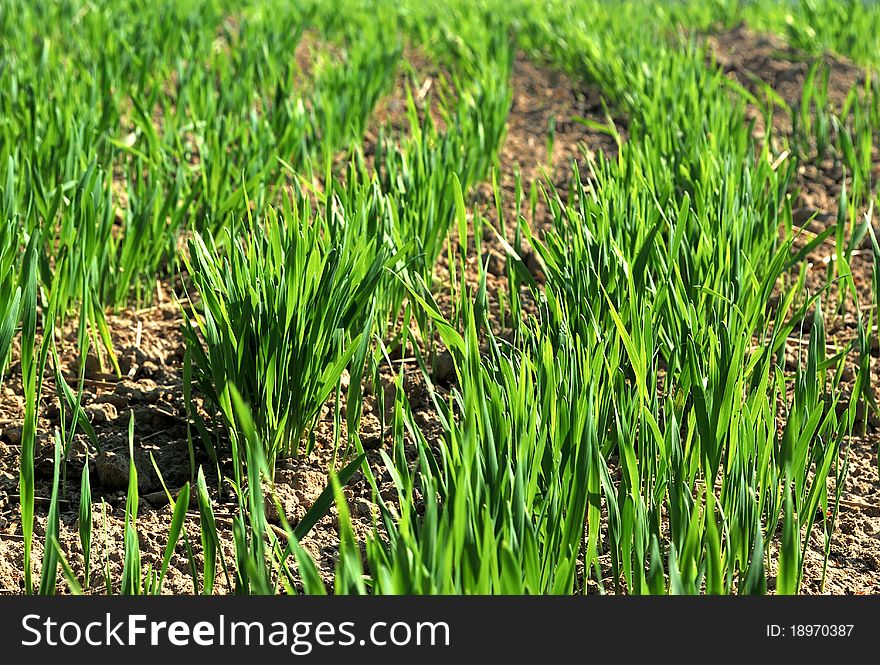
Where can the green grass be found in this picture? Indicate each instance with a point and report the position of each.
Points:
(641, 429)
(281, 318)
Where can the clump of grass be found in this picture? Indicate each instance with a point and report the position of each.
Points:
(280, 319)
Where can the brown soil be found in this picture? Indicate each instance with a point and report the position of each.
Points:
(757, 58)
(751, 58)
(542, 98)
(754, 59)
(425, 79)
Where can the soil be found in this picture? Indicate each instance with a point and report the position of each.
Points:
(754, 59)
(426, 79)
(541, 98)
(150, 348)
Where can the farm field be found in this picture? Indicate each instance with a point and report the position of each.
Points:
(524, 297)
